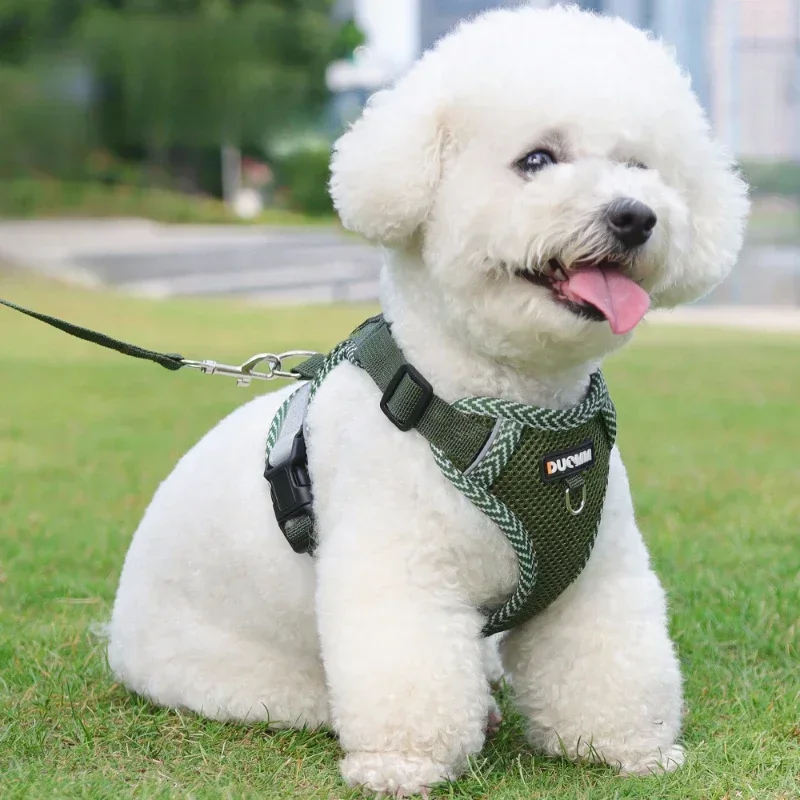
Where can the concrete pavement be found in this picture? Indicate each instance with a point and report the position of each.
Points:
(145, 258)
(760, 318)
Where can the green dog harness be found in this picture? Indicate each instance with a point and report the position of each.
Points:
(538, 473)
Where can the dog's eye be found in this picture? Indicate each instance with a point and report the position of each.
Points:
(534, 161)
(634, 164)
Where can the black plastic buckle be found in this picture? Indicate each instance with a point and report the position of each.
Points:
(420, 406)
(290, 487)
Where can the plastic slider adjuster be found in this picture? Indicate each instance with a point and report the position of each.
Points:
(290, 487)
(420, 405)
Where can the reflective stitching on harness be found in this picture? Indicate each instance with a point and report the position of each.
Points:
(496, 454)
(294, 415)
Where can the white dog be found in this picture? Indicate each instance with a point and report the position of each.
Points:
(525, 177)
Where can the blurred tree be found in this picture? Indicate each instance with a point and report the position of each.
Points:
(169, 76)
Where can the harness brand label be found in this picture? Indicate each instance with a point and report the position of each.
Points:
(568, 462)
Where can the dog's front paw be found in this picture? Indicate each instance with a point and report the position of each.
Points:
(393, 773)
(666, 760)
(493, 719)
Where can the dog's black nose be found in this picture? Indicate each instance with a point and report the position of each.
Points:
(630, 221)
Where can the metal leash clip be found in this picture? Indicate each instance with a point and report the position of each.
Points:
(244, 373)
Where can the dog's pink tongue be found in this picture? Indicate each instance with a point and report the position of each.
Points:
(620, 299)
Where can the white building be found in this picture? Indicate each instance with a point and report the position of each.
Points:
(754, 51)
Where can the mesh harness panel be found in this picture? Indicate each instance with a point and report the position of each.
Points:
(497, 453)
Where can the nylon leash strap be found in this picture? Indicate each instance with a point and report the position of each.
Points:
(244, 373)
(171, 361)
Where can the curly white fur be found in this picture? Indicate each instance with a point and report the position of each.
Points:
(379, 634)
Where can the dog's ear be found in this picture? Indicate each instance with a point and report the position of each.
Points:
(385, 168)
(720, 204)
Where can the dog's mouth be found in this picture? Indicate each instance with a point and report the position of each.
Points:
(595, 290)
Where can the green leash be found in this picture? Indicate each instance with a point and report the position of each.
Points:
(244, 373)
(171, 361)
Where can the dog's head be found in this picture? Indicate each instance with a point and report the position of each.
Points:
(546, 174)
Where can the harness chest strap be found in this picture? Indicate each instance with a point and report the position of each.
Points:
(539, 474)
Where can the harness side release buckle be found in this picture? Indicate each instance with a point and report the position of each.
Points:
(290, 488)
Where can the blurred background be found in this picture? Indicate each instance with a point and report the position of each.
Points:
(180, 147)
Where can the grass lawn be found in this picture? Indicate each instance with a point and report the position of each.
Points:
(708, 426)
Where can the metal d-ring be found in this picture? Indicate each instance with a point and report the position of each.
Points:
(568, 499)
(275, 363)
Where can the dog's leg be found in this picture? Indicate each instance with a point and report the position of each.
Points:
(403, 656)
(492, 664)
(219, 673)
(596, 674)
(493, 669)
